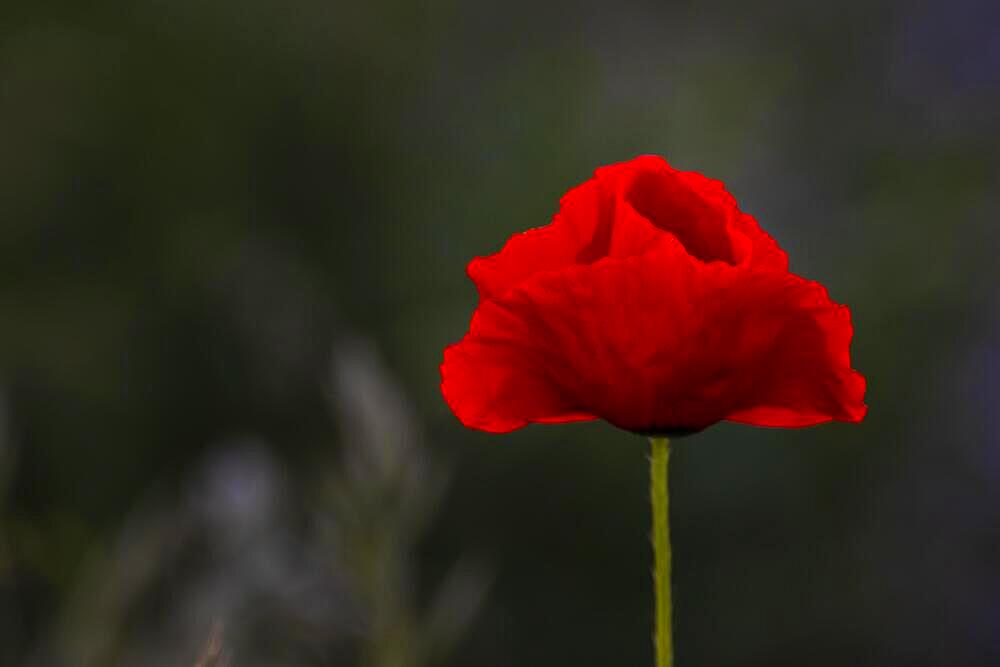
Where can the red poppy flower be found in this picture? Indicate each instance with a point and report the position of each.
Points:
(653, 302)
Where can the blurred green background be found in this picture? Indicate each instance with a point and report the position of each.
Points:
(232, 247)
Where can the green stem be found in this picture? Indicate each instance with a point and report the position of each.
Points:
(659, 495)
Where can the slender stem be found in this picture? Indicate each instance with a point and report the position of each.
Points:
(659, 495)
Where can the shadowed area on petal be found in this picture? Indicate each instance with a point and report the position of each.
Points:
(704, 216)
(666, 199)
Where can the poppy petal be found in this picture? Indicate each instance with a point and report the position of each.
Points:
(497, 378)
(695, 209)
(656, 342)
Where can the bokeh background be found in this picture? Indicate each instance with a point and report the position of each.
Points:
(232, 247)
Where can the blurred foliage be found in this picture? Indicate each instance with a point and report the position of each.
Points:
(315, 572)
(199, 199)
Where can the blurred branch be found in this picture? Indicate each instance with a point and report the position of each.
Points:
(382, 498)
(213, 655)
(228, 550)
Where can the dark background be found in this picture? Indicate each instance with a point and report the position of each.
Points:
(232, 247)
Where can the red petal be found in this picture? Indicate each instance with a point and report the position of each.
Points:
(762, 250)
(656, 342)
(696, 209)
(500, 377)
